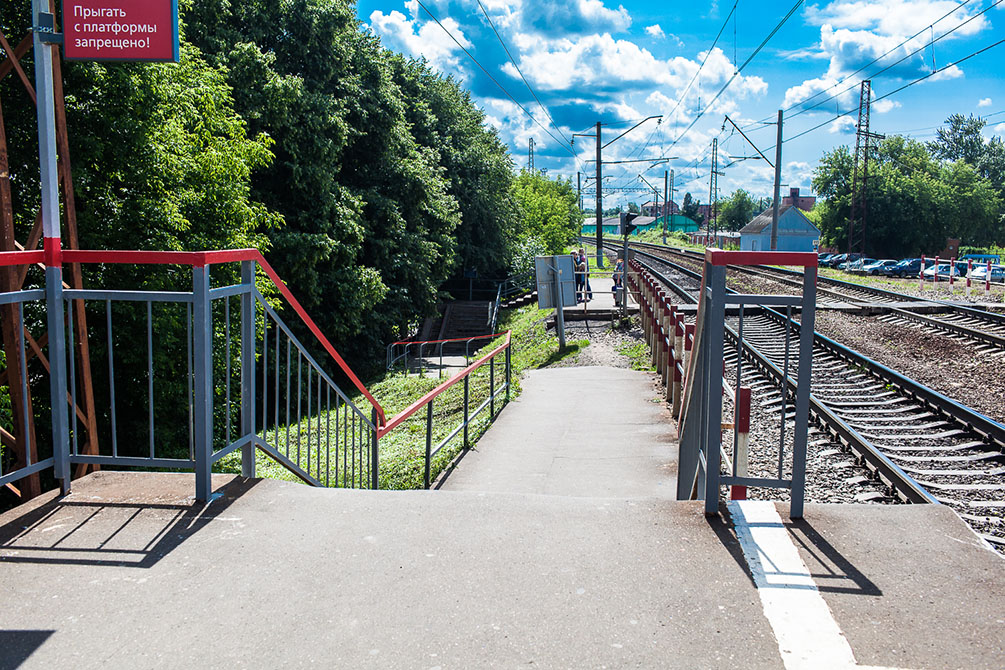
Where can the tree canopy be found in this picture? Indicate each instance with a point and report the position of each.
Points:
(737, 210)
(915, 200)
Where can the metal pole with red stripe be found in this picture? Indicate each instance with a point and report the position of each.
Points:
(52, 246)
(741, 425)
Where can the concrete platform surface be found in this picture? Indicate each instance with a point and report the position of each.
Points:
(127, 573)
(577, 431)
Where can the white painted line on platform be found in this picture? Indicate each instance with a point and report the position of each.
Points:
(808, 636)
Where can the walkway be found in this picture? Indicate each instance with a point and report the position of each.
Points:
(554, 544)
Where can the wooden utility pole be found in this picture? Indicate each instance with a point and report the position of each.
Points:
(666, 205)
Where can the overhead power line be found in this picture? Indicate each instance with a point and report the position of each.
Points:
(892, 65)
(520, 72)
(736, 74)
(897, 90)
(494, 81)
(869, 64)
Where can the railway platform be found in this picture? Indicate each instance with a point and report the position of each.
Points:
(555, 542)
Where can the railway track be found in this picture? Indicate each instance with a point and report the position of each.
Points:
(982, 328)
(920, 444)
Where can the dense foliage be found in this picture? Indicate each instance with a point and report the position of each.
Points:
(367, 178)
(737, 210)
(918, 195)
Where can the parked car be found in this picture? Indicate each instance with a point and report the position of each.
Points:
(854, 263)
(836, 261)
(943, 270)
(824, 256)
(878, 267)
(910, 267)
(981, 273)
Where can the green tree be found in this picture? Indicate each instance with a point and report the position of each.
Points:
(914, 201)
(633, 208)
(550, 210)
(370, 219)
(689, 208)
(737, 210)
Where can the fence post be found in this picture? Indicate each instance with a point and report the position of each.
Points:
(492, 389)
(375, 454)
(202, 334)
(466, 410)
(801, 429)
(712, 336)
(509, 372)
(57, 377)
(429, 439)
(248, 349)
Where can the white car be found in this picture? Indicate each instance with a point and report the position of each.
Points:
(980, 273)
(943, 269)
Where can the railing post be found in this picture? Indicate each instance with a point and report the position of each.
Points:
(492, 389)
(202, 334)
(429, 439)
(509, 372)
(248, 348)
(57, 378)
(800, 431)
(375, 454)
(466, 415)
(712, 357)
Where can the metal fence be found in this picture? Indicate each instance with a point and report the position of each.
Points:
(691, 359)
(191, 376)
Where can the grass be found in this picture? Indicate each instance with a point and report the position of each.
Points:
(402, 451)
(638, 354)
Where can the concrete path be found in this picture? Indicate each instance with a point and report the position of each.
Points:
(578, 431)
(555, 544)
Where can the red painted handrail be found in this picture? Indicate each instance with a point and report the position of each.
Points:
(421, 402)
(806, 259)
(456, 339)
(9, 258)
(204, 258)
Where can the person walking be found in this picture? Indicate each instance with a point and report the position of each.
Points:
(585, 261)
(580, 274)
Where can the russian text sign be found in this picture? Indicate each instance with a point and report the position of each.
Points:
(128, 30)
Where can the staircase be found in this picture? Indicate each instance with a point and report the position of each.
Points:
(463, 319)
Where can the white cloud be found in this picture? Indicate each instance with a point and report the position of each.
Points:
(655, 31)
(428, 40)
(897, 17)
(984, 102)
(844, 125)
(884, 106)
(1000, 129)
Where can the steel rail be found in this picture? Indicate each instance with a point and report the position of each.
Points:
(963, 415)
(893, 295)
(902, 312)
(903, 484)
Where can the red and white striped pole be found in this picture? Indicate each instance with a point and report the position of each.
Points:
(970, 271)
(936, 269)
(742, 428)
(952, 270)
(987, 279)
(921, 274)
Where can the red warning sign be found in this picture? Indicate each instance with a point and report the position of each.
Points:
(130, 30)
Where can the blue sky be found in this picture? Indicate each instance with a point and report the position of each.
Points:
(617, 63)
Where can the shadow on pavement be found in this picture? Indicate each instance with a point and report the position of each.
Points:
(79, 532)
(16, 646)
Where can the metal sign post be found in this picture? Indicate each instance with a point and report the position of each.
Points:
(556, 288)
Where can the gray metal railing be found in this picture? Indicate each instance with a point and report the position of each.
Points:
(700, 427)
(193, 376)
(19, 453)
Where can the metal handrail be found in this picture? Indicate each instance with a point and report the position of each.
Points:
(205, 258)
